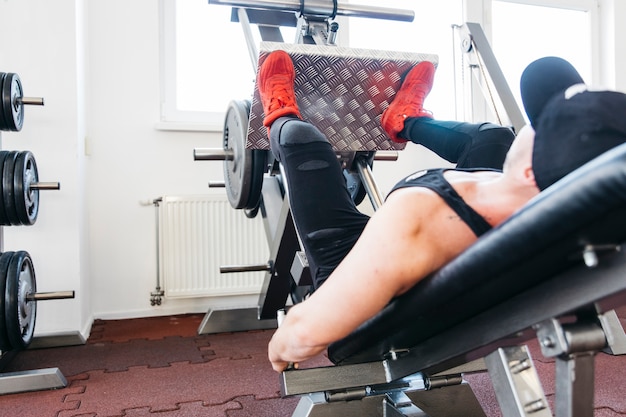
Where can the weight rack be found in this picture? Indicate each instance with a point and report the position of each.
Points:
(19, 205)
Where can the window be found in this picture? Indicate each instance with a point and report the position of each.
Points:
(431, 32)
(205, 62)
(524, 30)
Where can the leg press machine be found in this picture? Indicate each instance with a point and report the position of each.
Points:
(554, 271)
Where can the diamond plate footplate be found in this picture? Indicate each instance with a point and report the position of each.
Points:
(342, 91)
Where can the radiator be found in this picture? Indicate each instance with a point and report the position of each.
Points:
(197, 235)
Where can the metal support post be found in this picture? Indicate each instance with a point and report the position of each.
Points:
(489, 75)
(574, 345)
(516, 383)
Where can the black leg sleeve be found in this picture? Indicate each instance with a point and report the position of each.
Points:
(326, 218)
(469, 145)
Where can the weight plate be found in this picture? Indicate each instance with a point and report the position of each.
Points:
(259, 164)
(13, 111)
(3, 213)
(26, 199)
(3, 124)
(20, 313)
(238, 170)
(5, 343)
(8, 193)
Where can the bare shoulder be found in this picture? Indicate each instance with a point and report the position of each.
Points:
(442, 234)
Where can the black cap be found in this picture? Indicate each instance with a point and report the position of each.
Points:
(575, 127)
(543, 79)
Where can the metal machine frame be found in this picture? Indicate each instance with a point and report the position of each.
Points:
(314, 28)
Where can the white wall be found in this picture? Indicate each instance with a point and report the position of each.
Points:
(97, 65)
(93, 236)
(129, 161)
(40, 44)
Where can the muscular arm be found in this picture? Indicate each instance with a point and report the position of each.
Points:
(402, 243)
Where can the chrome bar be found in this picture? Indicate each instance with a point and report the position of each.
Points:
(212, 154)
(44, 186)
(44, 296)
(319, 7)
(389, 156)
(217, 184)
(367, 178)
(33, 101)
(245, 268)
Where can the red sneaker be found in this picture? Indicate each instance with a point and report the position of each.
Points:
(275, 81)
(409, 100)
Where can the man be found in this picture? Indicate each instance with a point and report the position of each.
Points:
(427, 220)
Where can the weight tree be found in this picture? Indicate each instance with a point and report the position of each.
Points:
(19, 205)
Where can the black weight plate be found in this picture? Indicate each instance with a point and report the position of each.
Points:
(259, 160)
(5, 343)
(20, 314)
(3, 123)
(8, 193)
(26, 199)
(238, 171)
(13, 111)
(259, 165)
(3, 213)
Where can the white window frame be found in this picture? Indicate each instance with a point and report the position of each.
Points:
(480, 11)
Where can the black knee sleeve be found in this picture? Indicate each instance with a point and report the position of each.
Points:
(287, 131)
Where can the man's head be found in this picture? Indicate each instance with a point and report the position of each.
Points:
(573, 128)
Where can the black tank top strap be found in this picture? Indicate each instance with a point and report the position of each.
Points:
(434, 180)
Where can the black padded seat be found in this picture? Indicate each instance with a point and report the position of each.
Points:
(546, 237)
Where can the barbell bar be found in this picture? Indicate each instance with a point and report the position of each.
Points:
(219, 154)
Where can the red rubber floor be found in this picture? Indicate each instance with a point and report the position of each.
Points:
(160, 367)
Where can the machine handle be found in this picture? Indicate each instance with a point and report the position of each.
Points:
(323, 8)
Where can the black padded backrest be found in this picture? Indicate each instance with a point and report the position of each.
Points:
(547, 236)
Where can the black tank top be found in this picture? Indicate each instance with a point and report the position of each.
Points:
(434, 180)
